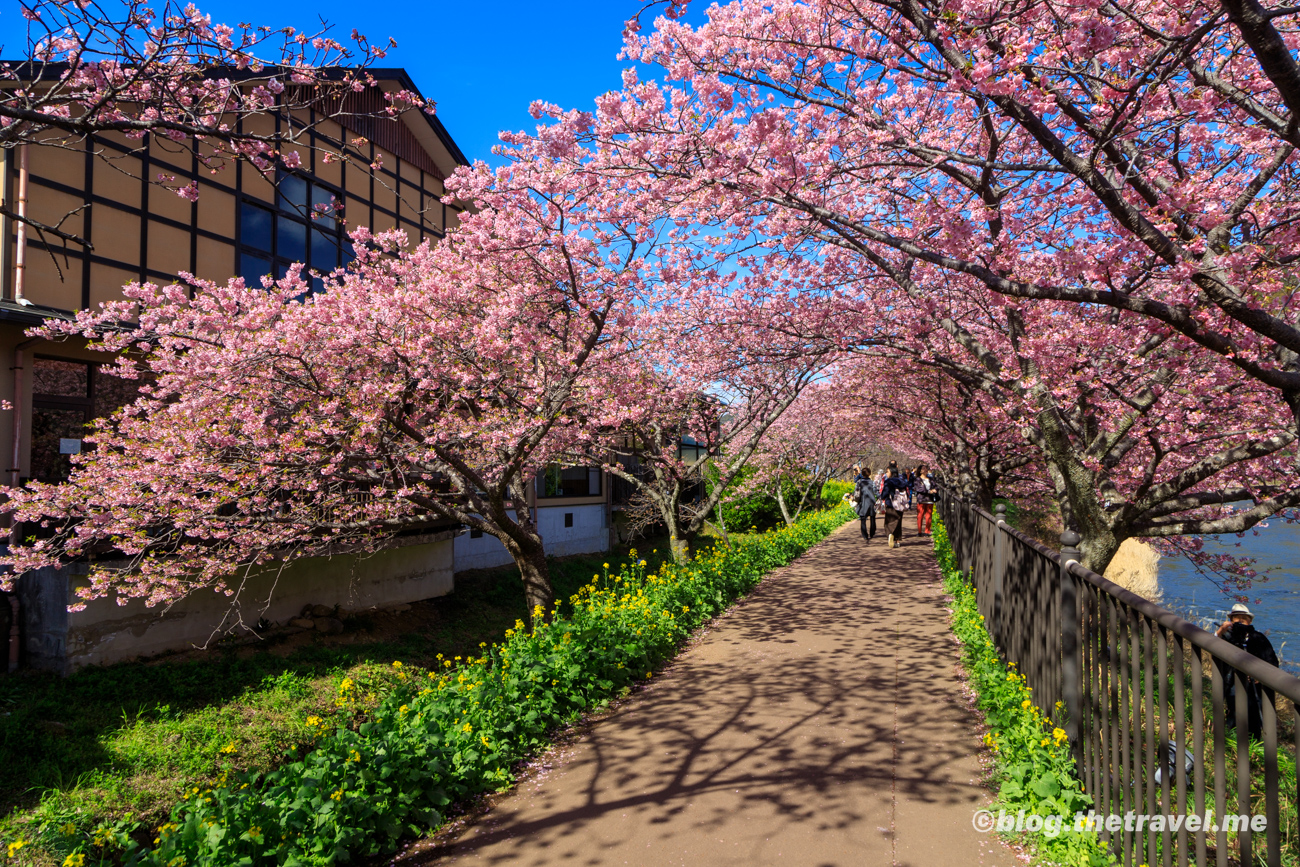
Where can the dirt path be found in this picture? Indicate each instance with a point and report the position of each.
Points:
(818, 723)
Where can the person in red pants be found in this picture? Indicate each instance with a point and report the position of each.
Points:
(926, 494)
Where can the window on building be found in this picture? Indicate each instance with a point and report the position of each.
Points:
(66, 396)
(691, 450)
(302, 227)
(559, 481)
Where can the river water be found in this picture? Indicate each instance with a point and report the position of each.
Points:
(1276, 550)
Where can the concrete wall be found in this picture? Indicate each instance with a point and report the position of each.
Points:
(106, 632)
(422, 568)
(587, 535)
(480, 552)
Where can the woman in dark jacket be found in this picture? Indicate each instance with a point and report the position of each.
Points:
(864, 495)
(894, 494)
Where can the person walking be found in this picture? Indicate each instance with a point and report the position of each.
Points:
(894, 494)
(864, 499)
(926, 495)
(1239, 631)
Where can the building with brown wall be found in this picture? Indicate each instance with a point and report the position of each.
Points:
(105, 191)
(242, 223)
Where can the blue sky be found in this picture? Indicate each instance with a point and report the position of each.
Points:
(481, 62)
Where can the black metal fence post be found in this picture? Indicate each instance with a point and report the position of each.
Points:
(999, 570)
(1070, 642)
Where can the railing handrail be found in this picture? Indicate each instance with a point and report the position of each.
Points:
(1268, 675)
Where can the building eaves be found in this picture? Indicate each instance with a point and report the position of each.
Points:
(26, 70)
(29, 314)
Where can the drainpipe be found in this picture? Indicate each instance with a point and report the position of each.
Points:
(15, 472)
(20, 264)
(13, 632)
(18, 359)
(20, 274)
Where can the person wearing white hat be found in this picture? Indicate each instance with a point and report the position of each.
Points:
(1239, 631)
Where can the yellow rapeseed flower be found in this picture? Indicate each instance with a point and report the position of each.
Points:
(313, 720)
(77, 859)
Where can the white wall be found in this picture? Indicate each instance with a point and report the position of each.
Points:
(485, 552)
(587, 535)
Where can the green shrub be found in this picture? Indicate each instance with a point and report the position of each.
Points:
(1034, 767)
(445, 735)
(834, 490)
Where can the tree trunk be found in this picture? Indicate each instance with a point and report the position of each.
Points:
(722, 523)
(1098, 550)
(1084, 513)
(530, 557)
(680, 548)
(780, 501)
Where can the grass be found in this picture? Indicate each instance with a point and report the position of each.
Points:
(124, 741)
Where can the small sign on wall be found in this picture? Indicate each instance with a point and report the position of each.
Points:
(69, 446)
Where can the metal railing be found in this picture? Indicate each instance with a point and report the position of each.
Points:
(1142, 699)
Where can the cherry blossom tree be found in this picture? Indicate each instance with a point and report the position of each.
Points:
(420, 387)
(819, 437)
(848, 135)
(1131, 154)
(168, 72)
(1126, 423)
(720, 365)
(960, 429)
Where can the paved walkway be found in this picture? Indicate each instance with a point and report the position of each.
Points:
(818, 723)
